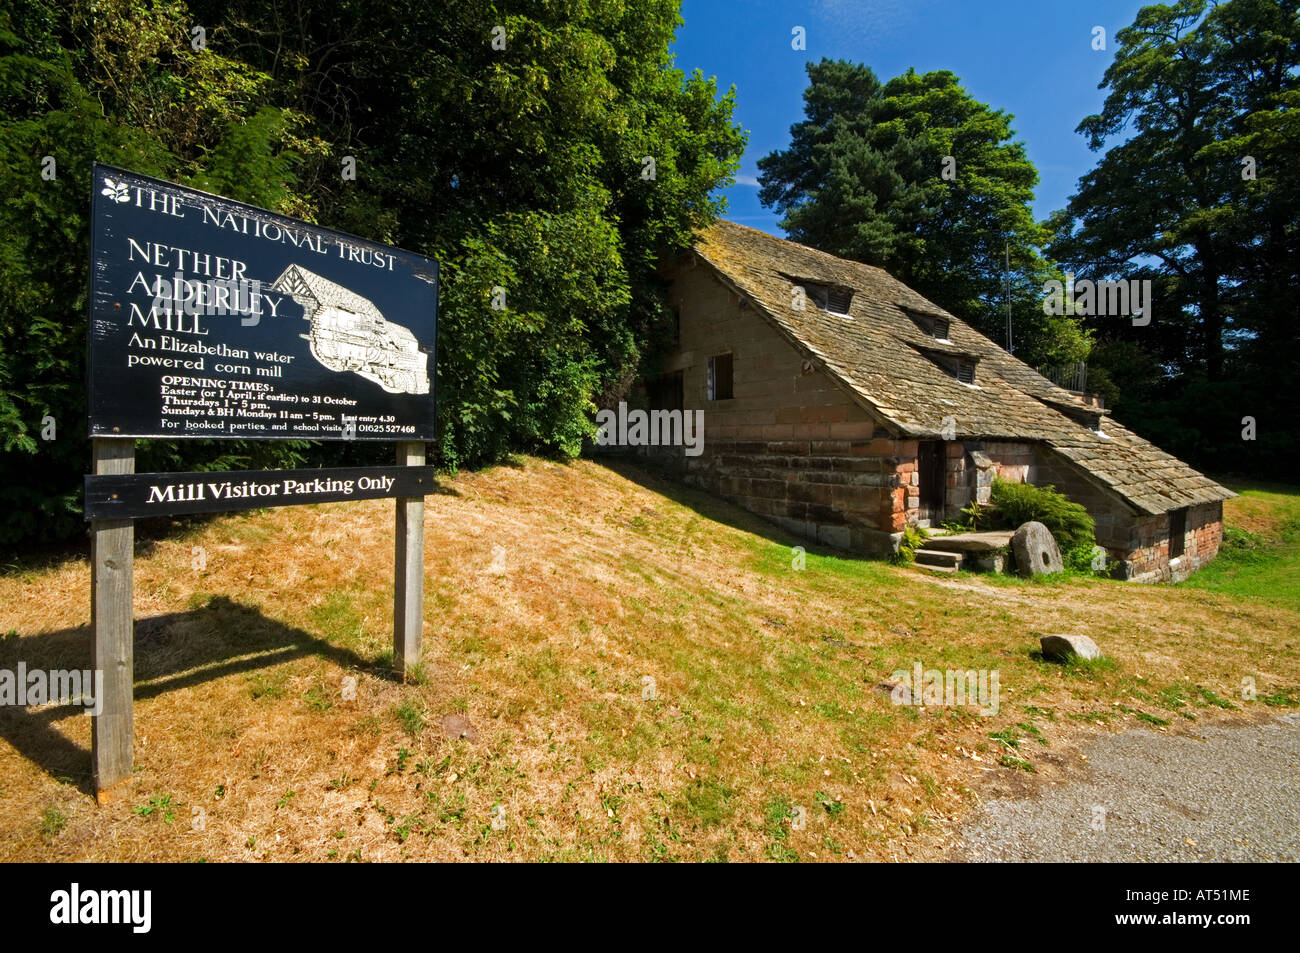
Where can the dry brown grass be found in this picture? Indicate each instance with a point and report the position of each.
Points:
(766, 683)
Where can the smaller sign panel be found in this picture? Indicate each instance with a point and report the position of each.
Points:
(129, 496)
(211, 318)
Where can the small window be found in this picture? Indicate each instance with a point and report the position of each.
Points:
(720, 377)
(1177, 533)
(827, 297)
(930, 324)
(837, 300)
(960, 366)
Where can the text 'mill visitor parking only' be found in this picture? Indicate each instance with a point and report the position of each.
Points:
(214, 319)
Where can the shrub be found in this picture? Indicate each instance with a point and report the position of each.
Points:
(1069, 522)
(973, 519)
(1081, 559)
(912, 540)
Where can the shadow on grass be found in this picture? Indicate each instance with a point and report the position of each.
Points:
(172, 652)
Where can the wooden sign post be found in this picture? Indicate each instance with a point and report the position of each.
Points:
(408, 586)
(112, 563)
(211, 319)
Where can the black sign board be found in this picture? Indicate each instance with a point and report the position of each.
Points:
(211, 318)
(126, 496)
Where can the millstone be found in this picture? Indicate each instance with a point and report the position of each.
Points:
(1036, 551)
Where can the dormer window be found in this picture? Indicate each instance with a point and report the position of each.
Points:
(832, 298)
(960, 366)
(931, 325)
(829, 298)
(837, 300)
(1091, 421)
(1090, 415)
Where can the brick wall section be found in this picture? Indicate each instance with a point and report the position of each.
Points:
(1147, 559)
(1014, 462)
(968, 480)
(1204, 536)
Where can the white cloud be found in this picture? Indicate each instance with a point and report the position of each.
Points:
(864, 20)
(747, 180)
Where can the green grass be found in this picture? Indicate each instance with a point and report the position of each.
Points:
(411, 716)
(1094, 669)
(1007, 736)
(158, 806)
(52, 822)
(317, 699)
(777, 815)
(833, 806)
(339, 619)
(268, 684)
(1262, 565)
(1284, 698)
(709, 803)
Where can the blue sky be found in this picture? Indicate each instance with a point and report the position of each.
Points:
(1032, 58)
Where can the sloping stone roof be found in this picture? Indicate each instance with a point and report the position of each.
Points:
(879, 353)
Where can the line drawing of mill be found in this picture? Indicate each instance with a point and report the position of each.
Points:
(348, 333)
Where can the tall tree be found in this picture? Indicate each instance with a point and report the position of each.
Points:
(116, 81)
(1199, 196)
(546, 150)
(917, 177)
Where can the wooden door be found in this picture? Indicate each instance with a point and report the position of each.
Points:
(932, 481)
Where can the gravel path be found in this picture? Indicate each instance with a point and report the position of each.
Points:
(1227, 793)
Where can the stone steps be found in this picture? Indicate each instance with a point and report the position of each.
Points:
(939, 559)
(988, 541)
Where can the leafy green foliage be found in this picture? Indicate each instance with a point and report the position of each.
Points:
(51, 104)
(1069, 522)
(913, 539)
(520, 169)
(864, 178)
(1197, 193)
(971, 519)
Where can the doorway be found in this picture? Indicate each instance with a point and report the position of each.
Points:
(931, 481)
